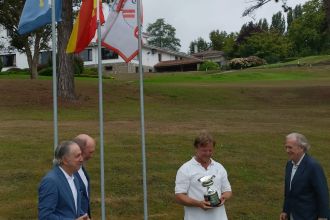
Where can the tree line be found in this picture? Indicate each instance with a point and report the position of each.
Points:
(301, 31)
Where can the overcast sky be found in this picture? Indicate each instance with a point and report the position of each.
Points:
(197, 18)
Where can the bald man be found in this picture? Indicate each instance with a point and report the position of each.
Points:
(87, 146)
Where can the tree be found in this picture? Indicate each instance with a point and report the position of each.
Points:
(297, 12)
(30, 44)
(263, 24)
(258, 3)
(278, 23)
(201, 45)
(162, 35)
(65, 73)
(289, 18)
(218, 39)
(308, 32)
(246, 31)
(271, 46)
(224, 42)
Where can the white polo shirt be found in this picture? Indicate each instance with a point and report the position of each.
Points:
(187, 182)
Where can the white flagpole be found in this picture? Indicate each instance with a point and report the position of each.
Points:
(144, 166)
(100, 110)
(54, 49)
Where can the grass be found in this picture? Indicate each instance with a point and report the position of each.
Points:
(304, 61)
(249, 112)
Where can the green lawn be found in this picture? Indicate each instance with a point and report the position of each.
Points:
(249, 112)
(304, 61)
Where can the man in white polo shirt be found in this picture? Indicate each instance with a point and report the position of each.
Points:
(190, 192)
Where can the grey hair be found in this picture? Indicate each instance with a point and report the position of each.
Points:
(63, 149)
(300, 139)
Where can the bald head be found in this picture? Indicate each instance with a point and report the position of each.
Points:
(87, 145)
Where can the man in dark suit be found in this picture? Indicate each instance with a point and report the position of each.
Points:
(306, 195)
(87, 146)
(59, 191)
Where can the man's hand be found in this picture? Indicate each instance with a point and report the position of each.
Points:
(222, 201)
(322, 219)
(205, 205)
(83, 217)
(283, 216)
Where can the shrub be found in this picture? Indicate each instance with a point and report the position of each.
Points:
(242, 63)
(92, 71)
(255, 61)
(17, 71)
(78, 65)
(48, 71)
(14, 69)
(42, 66)
(1, 65)
(225, 67)
(209, 65)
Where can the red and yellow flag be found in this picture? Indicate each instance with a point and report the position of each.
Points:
(85, 26)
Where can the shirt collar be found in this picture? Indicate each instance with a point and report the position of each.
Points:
(298, 161)
(198, 163)
(67, 176)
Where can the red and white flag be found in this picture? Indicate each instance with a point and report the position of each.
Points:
(120, 31)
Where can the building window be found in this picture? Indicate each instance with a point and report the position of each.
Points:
(8, 60)
(108, 54)
(108, 68)
(45, 57)
(86, 55)
(159, 57)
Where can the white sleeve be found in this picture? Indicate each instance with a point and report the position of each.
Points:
(182, 181)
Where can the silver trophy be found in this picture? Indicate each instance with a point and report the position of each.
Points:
(211, 194)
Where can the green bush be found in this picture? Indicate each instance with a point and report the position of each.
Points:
(1, 65)
(209, 65)
(78, 65)
(91, 71)
(15, 69)
(48, 71)
(43, 66)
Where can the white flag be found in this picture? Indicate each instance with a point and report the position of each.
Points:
(120, 31)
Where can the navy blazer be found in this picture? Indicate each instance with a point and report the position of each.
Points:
(56, 199)
(308, 198)
(85, 202)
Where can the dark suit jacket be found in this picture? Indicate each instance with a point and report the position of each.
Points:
(308, 198)
(85, 203)
(56, 199)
